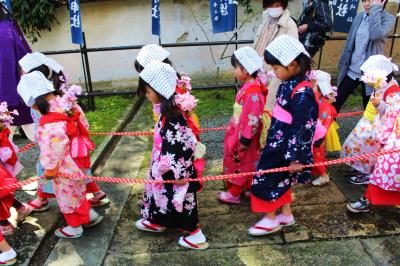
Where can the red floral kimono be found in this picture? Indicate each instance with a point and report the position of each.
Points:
(244, 128)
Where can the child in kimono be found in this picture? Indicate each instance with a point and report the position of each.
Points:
(242, 140)
(363, 138)
(175, 149)
(9, 169)
(54, 71)
(327, 113)
(290, 136)
(8, 255)
(58, 130)
(155, 53)
(384, 181)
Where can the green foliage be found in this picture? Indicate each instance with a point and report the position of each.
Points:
(34, 16)
(247, 5)
(108, 111)
(214, 103)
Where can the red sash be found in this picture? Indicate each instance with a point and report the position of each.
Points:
(75, 131)
(5, 143)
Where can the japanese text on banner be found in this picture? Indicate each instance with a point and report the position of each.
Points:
(155, 17)
(344, 12)
(75, 20)
(223, 13)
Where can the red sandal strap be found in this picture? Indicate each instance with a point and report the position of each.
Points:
(263, 228)
(36, 206)
(149, 226)
(64, 233)
(190, 243)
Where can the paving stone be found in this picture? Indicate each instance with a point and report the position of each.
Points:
(383, 251)
(310, 195)
(295, 233)
(333, 221)
(345, 252)
(30, 234)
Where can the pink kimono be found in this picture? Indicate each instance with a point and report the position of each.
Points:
(386, 174)
(55, 153)
(244, 128)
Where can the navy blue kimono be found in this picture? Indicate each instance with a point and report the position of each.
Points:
(287, 142)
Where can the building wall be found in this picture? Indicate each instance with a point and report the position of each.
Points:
(123, 22)
(128, 22)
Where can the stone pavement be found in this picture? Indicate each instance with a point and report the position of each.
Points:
(324, 234)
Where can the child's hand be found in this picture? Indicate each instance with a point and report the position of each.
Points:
(181, 182)
(375, 101)
(295, 167)
(303, 28)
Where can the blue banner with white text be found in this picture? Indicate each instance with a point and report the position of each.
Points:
(223, 15)
(155, 17)
(75, 20)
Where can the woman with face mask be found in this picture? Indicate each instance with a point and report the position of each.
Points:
(276, 21)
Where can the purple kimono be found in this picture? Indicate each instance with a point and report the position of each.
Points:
(13, 47)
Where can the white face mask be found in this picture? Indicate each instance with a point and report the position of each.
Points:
(275, 12)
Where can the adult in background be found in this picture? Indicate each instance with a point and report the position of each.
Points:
(315, 21)
(367, 37)
(276, 21)
(13, 47)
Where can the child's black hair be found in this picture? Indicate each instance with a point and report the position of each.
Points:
(58, 79)
(235, 63)
(139, 68)
(168, 107)
(42, 104)
(302, 60)
(390, 77)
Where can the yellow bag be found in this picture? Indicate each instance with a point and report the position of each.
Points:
(332, 141)
(266, 122)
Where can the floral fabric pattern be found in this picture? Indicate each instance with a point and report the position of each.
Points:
(245, 125)
(171, 205)
(287, 142)
(55, 152)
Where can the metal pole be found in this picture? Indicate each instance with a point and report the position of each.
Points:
(320, 57)
(395, 31)
(84, 73)
(92, 104)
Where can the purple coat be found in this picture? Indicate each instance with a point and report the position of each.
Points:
(13, 47)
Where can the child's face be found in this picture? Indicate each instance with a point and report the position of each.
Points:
(152, 95)
(240, 73)
(281, 72)
(285, 73)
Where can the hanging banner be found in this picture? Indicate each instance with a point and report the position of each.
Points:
(7, 5)
(344, 12)
(223, 14)
(155, 17)
(75, 20)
